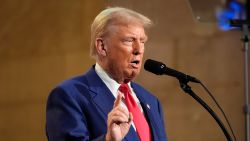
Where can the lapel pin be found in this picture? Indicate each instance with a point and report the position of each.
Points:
(148, 106)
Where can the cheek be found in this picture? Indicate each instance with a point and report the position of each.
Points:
(142, 50)
(123, 54)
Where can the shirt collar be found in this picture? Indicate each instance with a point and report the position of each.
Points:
(109, 82)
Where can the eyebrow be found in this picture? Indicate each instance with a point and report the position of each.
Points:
(133, 37)
(145, 39)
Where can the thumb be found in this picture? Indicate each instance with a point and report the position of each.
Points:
(130, 119)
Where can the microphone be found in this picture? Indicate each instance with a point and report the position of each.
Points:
(159, 68)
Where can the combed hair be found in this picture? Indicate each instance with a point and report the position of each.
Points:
(111, 16)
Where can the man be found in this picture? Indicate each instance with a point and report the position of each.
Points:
(104, 104)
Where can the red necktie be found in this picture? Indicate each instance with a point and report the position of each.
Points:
(139, 120)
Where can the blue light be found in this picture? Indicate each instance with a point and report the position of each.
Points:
(234, 10)
(235, 6)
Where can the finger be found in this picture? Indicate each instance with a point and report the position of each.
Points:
(130, 118)
(119, 111)
(118, 100)
(119, 119)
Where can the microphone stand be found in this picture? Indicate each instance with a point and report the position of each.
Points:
(245, 41)
(186, 88)
(245, 25)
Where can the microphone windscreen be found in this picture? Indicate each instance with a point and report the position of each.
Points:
(155, 67)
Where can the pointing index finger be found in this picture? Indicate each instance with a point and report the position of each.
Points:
(118, 99)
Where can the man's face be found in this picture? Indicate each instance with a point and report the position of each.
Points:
(124, 51)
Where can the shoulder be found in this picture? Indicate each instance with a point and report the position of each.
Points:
(71, 84)
(75, 86)
(147, 98)
(83, 80)
(142, 92)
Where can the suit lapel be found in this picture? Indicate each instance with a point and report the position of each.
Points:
(101, 95)
(132, 135)
(149, 114)
(151, 120)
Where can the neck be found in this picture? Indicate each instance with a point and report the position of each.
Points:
(119, 80)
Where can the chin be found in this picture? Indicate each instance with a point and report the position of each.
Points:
(134, 74)
(136, 71)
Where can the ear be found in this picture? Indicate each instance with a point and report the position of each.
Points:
(100, 47)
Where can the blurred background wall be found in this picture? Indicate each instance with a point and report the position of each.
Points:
(45, 42)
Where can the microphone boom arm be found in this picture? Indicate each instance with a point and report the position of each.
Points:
(186, 88)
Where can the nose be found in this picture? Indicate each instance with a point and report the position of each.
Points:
(136, 53)
(138, 48)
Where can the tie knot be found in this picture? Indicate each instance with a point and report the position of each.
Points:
(124, 88)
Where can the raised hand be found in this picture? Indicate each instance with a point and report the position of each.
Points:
(119, 121)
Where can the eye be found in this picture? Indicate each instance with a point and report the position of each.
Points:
(143, 41)
(128, 41)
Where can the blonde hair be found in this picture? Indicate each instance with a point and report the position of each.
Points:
(111, 16)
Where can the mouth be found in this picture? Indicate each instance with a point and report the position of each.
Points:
(135, 63)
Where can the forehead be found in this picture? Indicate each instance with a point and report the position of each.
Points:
(131, 29)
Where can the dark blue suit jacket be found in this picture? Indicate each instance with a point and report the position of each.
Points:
(77, 110)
